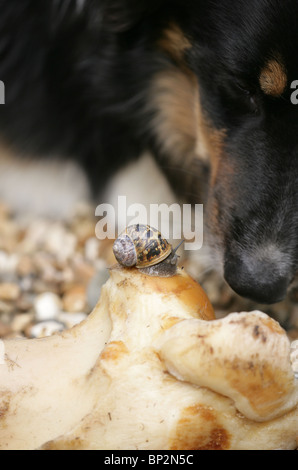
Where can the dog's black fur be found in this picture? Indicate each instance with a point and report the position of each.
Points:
(103, 80)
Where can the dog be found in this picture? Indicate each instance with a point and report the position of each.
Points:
(204, 85)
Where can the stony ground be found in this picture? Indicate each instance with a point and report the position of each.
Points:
(51, 273)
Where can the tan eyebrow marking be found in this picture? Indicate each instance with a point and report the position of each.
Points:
(174, 42)
(273, 78)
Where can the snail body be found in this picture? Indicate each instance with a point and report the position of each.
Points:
(143, 247)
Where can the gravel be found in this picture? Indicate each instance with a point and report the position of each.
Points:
(51, 274)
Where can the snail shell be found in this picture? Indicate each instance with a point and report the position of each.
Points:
(141, 246)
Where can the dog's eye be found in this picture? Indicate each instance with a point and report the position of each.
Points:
(250, 97)
(243, 88)
(253, 103)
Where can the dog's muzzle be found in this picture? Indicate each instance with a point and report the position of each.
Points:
(262, 276)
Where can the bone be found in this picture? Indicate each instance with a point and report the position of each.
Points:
(151, 368)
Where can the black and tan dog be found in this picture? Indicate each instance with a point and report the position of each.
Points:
(205, 85)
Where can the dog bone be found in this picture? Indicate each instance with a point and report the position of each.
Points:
(151, 368)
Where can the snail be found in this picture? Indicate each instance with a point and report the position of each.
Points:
(143, 247)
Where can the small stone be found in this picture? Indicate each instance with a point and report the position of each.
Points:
(66, 276)
(83, 271)
(8, 262)
(60, 242)
(9, 236)
(44, 328)
(20, 321)
(35, 235)
(25, 266)
(84, 229)
(44, 263)
(39, 286)
(9, 291)
(72, 319)
(91, 249)
(26, 283)
(15, 335)
(47, 306)
(4, 330)
(74, 300)
(24, 303)
(6, 308)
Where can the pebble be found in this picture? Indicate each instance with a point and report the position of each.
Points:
(9, 236)
(6, 308)
(44, 263)
(39, 286)
(84, 229)
(74, 300)
(66, 275)
(21, 321)
(83, 270)
(35, 235)
(44, 328)
(47, 306)
(60, 242)
(8, 262)
(5, 330)
(9, 291)
(25, 266)
(91, 249)
(71, 319)
(24, 303)
(6, 317)
(26, 283)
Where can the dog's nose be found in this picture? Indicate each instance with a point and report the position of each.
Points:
(260, 280)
